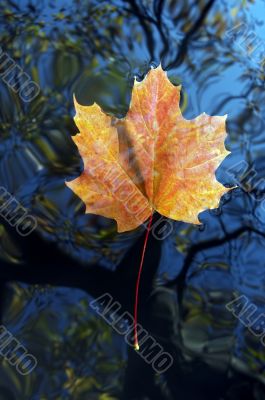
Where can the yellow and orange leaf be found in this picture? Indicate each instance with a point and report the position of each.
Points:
(153, 159)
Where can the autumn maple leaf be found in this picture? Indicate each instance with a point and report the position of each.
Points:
(153, 159)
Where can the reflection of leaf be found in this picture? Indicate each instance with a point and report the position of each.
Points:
(153, 159)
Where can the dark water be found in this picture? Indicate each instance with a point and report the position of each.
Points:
(94, 49)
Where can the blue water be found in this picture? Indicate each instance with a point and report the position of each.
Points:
(94, 49)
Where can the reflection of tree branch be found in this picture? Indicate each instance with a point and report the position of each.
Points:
(46, 264)
(136, 12)
(180, 281)
(158, 9)
(183, 46)
(144, 18)
(230, 98)
(146, 28)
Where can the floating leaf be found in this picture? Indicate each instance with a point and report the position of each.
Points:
(153, 159)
